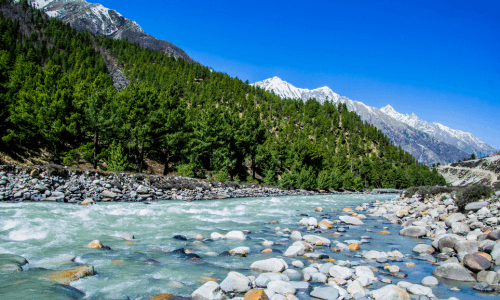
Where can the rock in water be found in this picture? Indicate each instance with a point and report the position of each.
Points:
(476, 263)
(209, 291)
(390, 292)
(275, 265)
(235, 282)
(413, 231)
(67, 276)
(326, 293)
(236, 235)
(255, 294)
(351, 220)
(453, 271)
(281, 287)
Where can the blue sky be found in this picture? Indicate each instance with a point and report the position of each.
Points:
(438, 59)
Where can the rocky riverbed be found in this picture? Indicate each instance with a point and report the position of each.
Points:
(403, 248)
(60, 184)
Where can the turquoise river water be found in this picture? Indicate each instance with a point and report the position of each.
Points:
(45, 233)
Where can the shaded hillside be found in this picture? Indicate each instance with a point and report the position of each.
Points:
(58, 97)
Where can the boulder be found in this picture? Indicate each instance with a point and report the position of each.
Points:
(340, 272)
(390, 292)
(209, 291)
(294, 251)
(281, 287)
(490, 277)
(325, 293)
(141, 189)
(292, 274)
(270, 265)
(494, 235)
(470, 247)
(413, 231)
(456, 217)
(216, 236)
(460, 228)
(95, 244)
(495, 252)
(453, 271)
(420, 290)
(296, 235)
(423, 248)
(312, 222)
(235, 282)
(476, 263)
(70, 275)
(473, 206)
(356, 288)
(262, 280)
(430, 281)
(314, 239)
(372, 254)
(255, 294)
(236, 235)
(351, 220)
(87, 201)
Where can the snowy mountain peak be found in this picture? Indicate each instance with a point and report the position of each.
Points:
(286, 90)
(462, 140)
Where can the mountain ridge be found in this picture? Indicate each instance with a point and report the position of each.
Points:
(425, 147)
(101, 20)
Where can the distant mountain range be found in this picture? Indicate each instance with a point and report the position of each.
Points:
(104, 21)
(429, 143)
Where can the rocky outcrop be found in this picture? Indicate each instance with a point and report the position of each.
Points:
(472, 172)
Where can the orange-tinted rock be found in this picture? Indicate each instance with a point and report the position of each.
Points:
(347, 209)
(67, 276)
(318, 209)
(328, 225)
(266, 251)
(255, 294)
(95, 244)
(486, 255)
(161, 297)
(410, 264)
(199, 237)
(274, 222)
(384, 232)
(354, 247)
(329, 260)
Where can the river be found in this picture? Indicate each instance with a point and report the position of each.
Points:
(45, 233)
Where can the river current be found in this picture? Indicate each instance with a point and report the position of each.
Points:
(46, 234)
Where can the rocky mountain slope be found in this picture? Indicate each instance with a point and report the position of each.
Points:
(462, 140)
(485, 170)
(104, 21)
(426, 148)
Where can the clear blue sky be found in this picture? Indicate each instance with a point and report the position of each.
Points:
(438, 59)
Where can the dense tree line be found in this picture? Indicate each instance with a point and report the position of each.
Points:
(56, 95)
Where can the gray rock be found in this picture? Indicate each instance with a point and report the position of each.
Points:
(413, 231)
(456, 217)
(430, 281)
(495, 252)
(262, 281)
(470, 247)
(235, 282)
(488, 276)
(483, 287)
(341, 272)
(318, 277)
(296, 235)
(417, 289)
(325, 293)
(300, 285)
(453, 271)
(476, 205)
(476, 262)
(293, 251)
(281, 287)
(423, 248)
(292, 274)
(460, 228)
(142, 189)
(275, 265)
(390, 292)
(351, 220)
(209, 291)
(313, 239)
(325, 267)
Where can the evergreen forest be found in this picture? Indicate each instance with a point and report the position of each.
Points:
(56, 96)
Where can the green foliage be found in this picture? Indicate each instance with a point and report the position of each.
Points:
(186, 170)
(428, 191)
(71, 158)
(222, 176)
(117, 160)
(56, 94)
(472, 194)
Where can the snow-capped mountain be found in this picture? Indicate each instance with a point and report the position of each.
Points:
(104, 21)
(462, 140)
(423, 146)
(286, 90)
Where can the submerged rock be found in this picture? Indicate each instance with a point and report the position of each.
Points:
(390, 292)
(453, 271)
(270, 265)
(70, 275)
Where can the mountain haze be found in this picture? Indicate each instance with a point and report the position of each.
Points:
(425, 147)
(100, 20)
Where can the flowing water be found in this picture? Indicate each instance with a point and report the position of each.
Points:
(47, 233)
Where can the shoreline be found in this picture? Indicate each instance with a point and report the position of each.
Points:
(59, 184)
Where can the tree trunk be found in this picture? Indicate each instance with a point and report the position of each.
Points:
(95, 149)
(167, 158)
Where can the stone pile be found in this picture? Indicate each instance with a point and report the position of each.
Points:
(60, 184)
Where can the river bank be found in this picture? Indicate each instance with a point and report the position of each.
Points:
(60, 184)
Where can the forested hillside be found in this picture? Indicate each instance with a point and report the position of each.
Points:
(57, 97)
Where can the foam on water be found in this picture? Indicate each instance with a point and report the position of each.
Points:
(27, 234)
(9, 224)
